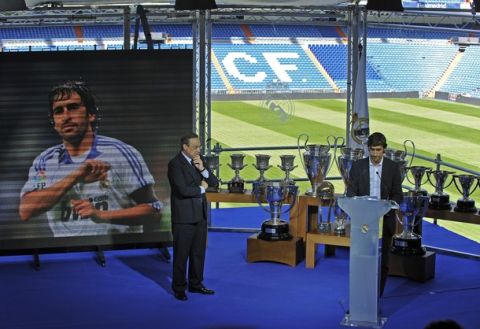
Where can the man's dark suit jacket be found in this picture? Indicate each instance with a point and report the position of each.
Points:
(390, 189)
(390, 185)
(187, 203)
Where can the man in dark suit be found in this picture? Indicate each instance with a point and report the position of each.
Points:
(380, 177)
(189, 179)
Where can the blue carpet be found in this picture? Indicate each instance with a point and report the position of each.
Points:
(133, 290)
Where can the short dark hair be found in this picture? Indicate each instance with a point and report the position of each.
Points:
(185, 139)
(377, 139)
(443, 324)
(65, 90)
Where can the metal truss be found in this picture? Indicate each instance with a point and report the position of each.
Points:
(202, 47)
(338, 15)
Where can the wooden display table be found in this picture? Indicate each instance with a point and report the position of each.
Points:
(330, 240)
(289, 252)
(248, 197)
(456, 216)
(307, 229)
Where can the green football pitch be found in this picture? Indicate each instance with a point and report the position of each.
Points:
(449, 129)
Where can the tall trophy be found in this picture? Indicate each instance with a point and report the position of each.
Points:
(345, 161)
(464, 184)
(340, 220)
(287, 165)
(399, 156)
(418, 172)
(326, 198)
(212, 163)
(412, 209)
(439, 199)
(316, 161)
(262, 166)
(275, 193)
(237, 184)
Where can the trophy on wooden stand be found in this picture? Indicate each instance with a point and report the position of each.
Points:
(340, 220)
(412, 209)
(466, 185)
(439, 199)
(276, 194)
(417, 173)
(326, 198)
(287, 166)
(316, 161)
(345, 161)
(237, 183)
(262, 166)
(399, 156)
(212, 163)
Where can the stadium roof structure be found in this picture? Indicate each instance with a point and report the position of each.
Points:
(326, 12)
(221, 3)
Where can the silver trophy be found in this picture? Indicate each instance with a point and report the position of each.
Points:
(316, 161)
(438, 179)
(262, 166)
(417, 173)
(340, 220)
(345, 161)
(212, 163)
(237, 183)
(399, 156)
(326, 198)
(465, 184)
(412, 209)
(275, 193)
(287, 165)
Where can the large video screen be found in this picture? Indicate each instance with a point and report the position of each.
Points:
(85, 140)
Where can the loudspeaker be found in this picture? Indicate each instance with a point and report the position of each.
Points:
(195, 4)
(12, 5)
(385, 5)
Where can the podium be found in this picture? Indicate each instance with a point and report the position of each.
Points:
(365, 214)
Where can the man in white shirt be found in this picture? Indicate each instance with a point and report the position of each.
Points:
(379, 177)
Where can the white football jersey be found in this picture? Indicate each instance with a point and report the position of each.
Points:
(128, 173)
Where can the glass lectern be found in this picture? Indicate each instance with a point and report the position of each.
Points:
(365, 214)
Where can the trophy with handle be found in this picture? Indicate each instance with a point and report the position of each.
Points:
(287, 165)
(399, 156)
(261, 165)
(439, 199)
(212, 163)
(276, 194)
(417, 173)
(412, 209)
(465, 184)
(316, 161)
(345, 161)
(237, 183)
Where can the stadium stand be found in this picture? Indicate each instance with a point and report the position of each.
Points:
(464, 78)
(255, 67)
(250, 57)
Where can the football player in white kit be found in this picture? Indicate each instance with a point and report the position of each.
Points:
(90, 184)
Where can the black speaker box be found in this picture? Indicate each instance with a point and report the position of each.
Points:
(385, 5)
(195, 4)
(12, 5)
